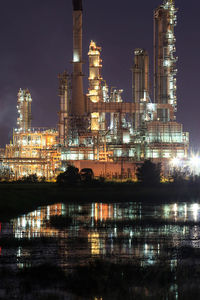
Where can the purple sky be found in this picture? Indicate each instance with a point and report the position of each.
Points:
(36, 44)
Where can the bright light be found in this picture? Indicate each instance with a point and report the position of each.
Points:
(194, 164)
(175, 209)
(195, 210)
(76, 57)
(175, 162)
(195, 161)
(151, 106)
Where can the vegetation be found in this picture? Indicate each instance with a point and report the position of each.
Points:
(149, 174)
(17, 198)
(70, 177)
(32, 178)
(87, 175)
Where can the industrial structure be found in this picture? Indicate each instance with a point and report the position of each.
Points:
(115, 135)
(99, 129)
(32, 150)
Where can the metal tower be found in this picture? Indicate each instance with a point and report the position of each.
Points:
(24, 110)
(78, 102)
(164, 55)
(140, 76)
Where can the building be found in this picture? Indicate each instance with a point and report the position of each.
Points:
(99, 129)
(115, 132)
(33, 150)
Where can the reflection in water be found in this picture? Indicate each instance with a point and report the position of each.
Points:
(33, 225)
(94, 241)
(114, 231)
(195, 209)
(103, 211)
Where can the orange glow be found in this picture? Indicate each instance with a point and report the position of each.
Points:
(33, 152)
(103, 211)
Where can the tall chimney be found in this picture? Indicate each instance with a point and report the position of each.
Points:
(78, 104)
(77, 5)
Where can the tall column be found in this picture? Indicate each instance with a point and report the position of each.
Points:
(140, 76)
(95, 93)
(164, 59)
(78, 102)
(140, 83)
(24, 110)
(65, 97)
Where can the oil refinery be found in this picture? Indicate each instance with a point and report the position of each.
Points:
(101, 130)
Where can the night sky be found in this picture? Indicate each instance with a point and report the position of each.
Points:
(36, 44)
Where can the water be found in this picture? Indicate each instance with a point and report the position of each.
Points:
(102, 231)
(125, 232)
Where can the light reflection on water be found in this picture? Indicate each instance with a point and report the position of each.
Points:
(97, 231)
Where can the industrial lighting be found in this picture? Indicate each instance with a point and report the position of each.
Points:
(195, 161)
(195, 210)
(175, 162)
(76, 57)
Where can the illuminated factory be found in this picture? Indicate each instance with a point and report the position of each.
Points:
(100, 130)
(32, 150)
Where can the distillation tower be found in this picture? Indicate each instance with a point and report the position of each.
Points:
(140, 83)
(24, 110)
(165, 60)
(32, 150)
(97, 87)
(102, 131)
(65, 81)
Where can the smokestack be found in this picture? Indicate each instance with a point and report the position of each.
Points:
(78, 105)
(77, 5)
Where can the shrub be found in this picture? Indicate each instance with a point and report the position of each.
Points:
(69, 177)
(32, 178)
(149, 173)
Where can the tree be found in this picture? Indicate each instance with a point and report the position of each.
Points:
(178, 177)
(32, 178)
(86, 175)
(149, 173)
(70, 177)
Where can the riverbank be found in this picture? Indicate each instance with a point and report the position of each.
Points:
(16, 199)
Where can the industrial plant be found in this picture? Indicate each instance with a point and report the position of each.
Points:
(101, 130)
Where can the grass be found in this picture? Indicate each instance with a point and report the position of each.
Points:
(16, 199)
